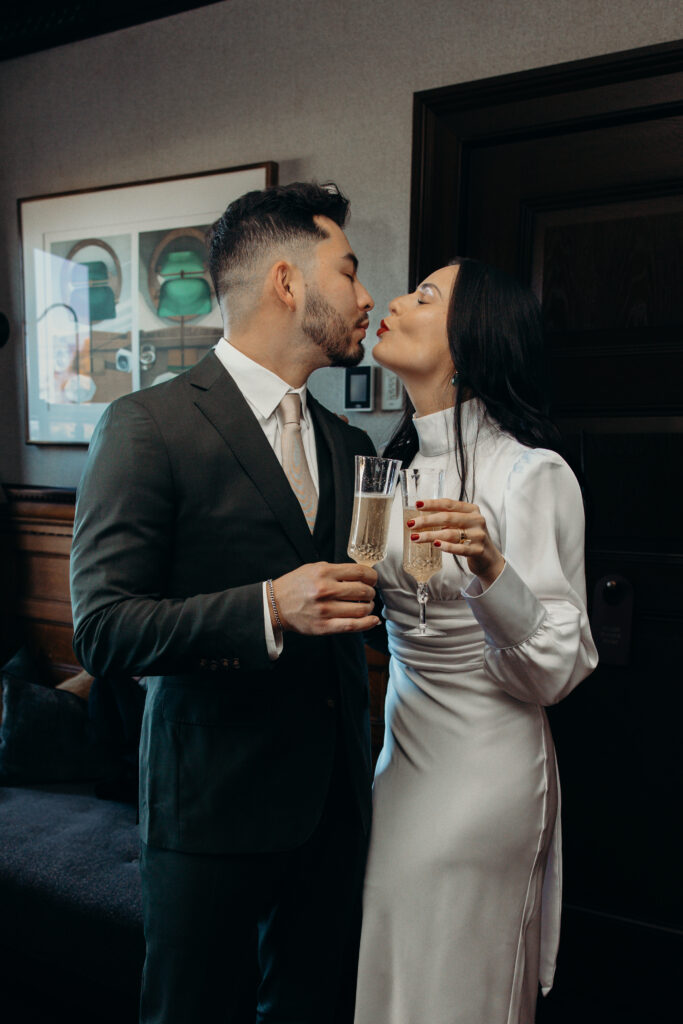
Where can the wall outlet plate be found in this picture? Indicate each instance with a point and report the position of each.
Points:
(392, 391)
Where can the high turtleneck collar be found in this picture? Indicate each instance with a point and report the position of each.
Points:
(436, 432)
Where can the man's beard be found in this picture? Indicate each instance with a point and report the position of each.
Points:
(327, 328)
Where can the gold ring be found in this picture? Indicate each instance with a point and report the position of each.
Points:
(463, 537)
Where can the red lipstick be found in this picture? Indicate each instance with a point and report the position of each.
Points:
(382, 329)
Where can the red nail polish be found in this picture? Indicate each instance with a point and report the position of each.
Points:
(410, 522)
(414, 536)
(419, 504)
(437, 543)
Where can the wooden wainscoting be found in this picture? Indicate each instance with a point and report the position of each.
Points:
(36, 525)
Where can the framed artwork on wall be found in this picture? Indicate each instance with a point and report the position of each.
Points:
(117, 292)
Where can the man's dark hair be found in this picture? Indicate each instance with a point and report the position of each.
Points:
(279, 216)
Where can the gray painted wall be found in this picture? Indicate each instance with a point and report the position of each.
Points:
(324, 88)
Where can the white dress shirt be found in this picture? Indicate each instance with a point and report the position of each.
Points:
(263, 391)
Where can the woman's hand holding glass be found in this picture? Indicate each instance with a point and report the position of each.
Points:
(458, 528)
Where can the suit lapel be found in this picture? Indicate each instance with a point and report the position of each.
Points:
(222, 403)
(342, 473)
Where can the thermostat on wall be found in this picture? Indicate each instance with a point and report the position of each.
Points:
(392, 391)
(358, 389)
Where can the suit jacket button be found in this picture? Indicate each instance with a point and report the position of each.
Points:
(225, 662)
(203, 663)
(213, 666)
(235, 662)
(331, 703)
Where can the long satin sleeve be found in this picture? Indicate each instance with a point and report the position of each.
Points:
(538, 640)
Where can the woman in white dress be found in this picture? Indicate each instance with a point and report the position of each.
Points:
(462, 896)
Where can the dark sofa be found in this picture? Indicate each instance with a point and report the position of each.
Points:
(71, 942)
(70, 899)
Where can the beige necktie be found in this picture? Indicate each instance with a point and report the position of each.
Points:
(294, 458)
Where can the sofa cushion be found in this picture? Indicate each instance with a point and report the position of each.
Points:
(70, 883)
(44, 735)
(29, 666)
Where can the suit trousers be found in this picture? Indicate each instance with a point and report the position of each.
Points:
(264, 938)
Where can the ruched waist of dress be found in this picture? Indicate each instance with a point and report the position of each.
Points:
(459, 650)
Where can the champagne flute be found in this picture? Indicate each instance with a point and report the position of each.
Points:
(420, 560)
(376, 480)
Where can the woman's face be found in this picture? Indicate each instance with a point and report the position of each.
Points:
(413, 342)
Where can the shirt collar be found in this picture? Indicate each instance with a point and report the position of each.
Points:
(261, 387)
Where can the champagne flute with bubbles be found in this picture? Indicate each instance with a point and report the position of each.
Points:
(422, 561)
(376, 480)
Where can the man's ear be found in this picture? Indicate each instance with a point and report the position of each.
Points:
(284, 281)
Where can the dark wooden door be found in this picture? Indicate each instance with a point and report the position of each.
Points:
(571, 177)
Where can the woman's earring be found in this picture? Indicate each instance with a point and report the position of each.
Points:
(454, 378)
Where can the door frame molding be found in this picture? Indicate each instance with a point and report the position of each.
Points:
(449, 121)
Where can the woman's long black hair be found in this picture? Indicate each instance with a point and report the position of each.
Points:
(495, 336)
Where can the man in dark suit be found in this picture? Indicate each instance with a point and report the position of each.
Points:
(209, 555)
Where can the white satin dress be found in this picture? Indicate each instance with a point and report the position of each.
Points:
(462, 894)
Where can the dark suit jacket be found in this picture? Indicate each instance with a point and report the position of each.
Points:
(183, 511)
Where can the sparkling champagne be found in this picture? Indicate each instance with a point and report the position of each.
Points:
(370, 528)
(420, 560)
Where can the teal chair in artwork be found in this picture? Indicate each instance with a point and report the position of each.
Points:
(91, 290)
(89, 294)
(94, 299)
(184, 292)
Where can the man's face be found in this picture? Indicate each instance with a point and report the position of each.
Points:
(337, 305)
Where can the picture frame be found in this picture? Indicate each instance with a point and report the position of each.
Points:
(117, 292)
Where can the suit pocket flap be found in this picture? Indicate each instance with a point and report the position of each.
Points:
(216, 705)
